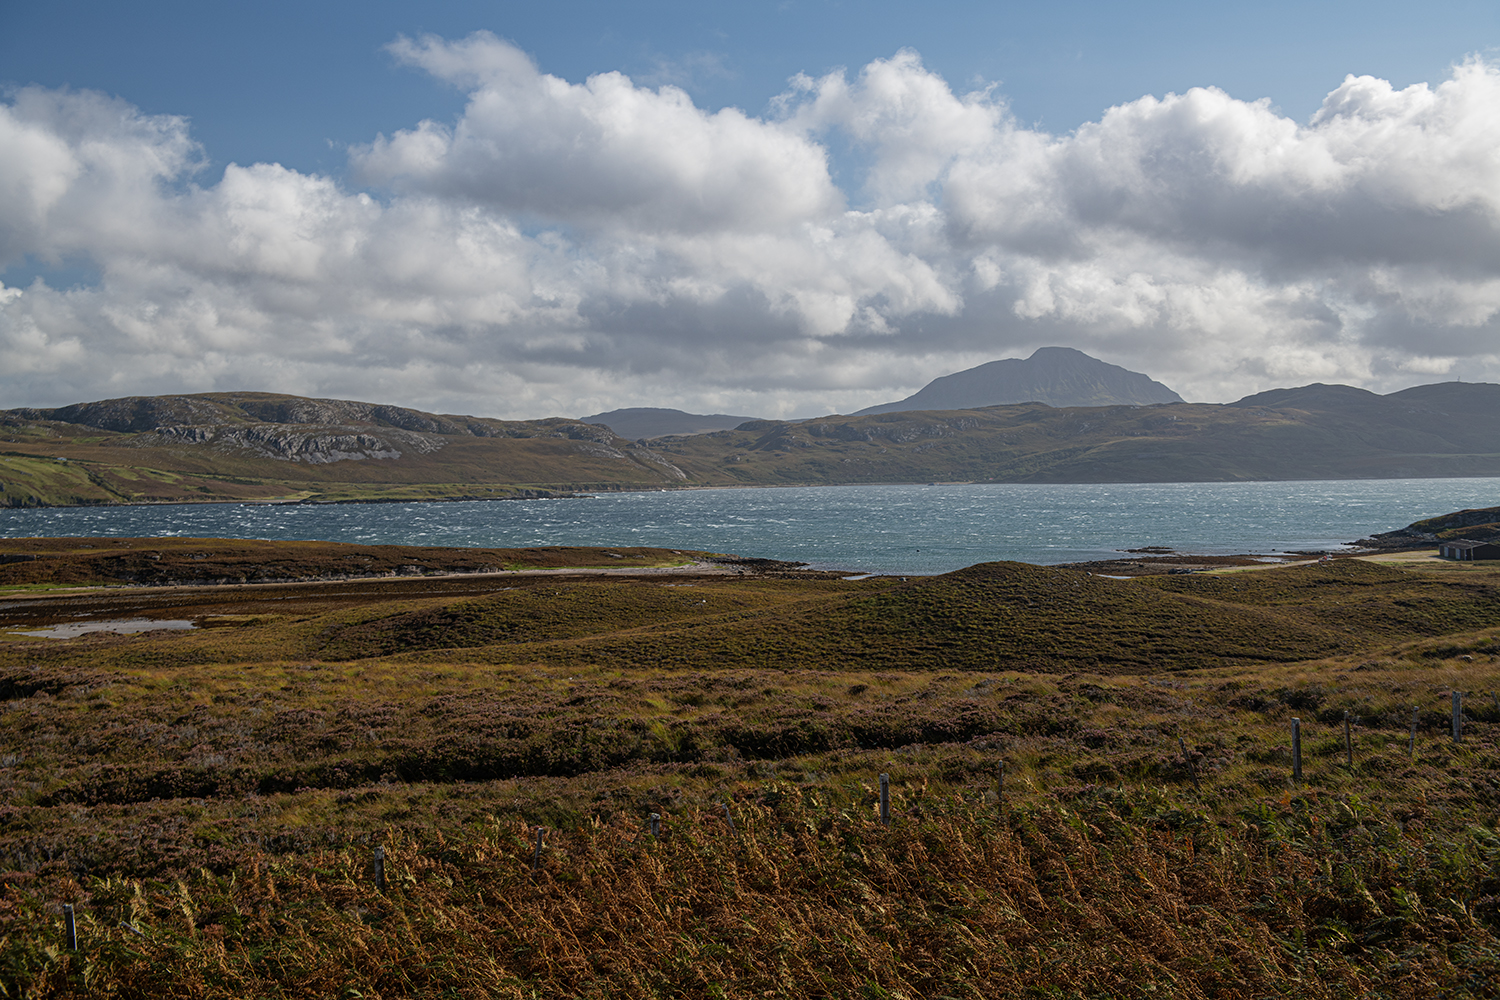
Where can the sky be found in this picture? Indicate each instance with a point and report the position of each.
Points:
(778, 209)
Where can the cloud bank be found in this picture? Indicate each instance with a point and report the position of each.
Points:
(565, 248)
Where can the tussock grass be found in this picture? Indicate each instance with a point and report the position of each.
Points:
(1106, 896)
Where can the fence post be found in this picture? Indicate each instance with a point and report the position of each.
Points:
(378, 866)
(1000, 789)
(1411, 746)
(730, 816)
(1189, 762)
(885, 800)
(1348, 743)
(72, 927)
(655, 824)
(1297, 751)
(1458, 717)
(536, 855)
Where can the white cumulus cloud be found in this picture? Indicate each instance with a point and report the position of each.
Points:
(566, 247)
(604, 153)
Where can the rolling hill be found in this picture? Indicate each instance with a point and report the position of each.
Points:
(654, 421)
(268, 447)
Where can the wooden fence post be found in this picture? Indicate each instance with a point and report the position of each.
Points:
(1348, 743)
(655, 824)
(1297, 751)
(1458, 717)
(730, 816)
(885, 800)
(536, 855)
(1189, 762)
(71, 926)
(1411, 746)
(1000, 789)
(377, 864)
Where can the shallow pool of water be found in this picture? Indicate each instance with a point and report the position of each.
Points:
(122, 626)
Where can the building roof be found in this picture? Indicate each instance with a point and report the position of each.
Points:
(1467, 543)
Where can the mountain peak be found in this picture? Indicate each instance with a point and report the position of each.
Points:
(1056, 376)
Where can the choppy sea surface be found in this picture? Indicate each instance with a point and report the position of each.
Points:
(873, 529)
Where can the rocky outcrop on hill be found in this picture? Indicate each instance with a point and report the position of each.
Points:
(298, 429)
(1477, 524)
(298, 444)
(266, 446)
(646, 455)
(1398, 540)
(1462, 520)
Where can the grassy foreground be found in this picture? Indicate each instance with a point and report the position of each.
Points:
(209, 800)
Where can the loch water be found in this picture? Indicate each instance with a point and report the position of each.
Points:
(908, 529)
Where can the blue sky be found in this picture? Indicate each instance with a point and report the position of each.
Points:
(281, 81)
(643, 283)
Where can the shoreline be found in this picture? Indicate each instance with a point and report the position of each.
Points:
(1130, 565)
(543, 493)
(696, 568)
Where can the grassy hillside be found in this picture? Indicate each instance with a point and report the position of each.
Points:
(991, 616)
(208, 800)
(1480, 525)
(140, 450)
(259, 446)
(1306, 438)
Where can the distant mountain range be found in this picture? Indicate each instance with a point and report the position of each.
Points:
(638, 422)
(1057, 376)
(269, 447)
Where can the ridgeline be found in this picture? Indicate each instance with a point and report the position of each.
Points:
(268, 447)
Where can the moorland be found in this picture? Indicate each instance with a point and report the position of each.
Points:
(268, 447)
(209, 799)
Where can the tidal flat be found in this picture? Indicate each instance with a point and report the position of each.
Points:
(209, 801)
